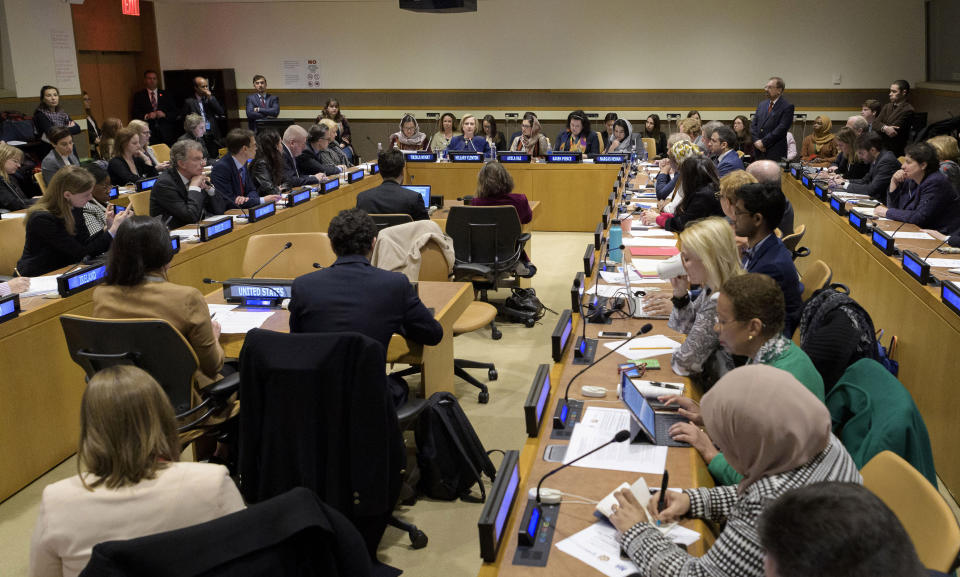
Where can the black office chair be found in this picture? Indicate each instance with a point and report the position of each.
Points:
(488, 244)
(317, 413)
(155, 346)
(292, 533)
(386, 220)
(918, 122)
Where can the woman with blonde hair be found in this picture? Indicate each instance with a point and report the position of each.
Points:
(710, 258)
(129, 164)
(820, 148)
(947, 153)
(468, 140)
(57, 234)
(848, 163)
(691, 127)
(130, 482)
(143, 132)
(12, 196)
(729, 185)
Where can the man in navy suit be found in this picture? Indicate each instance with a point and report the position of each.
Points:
(157, 109)
(261, 105)
(231, 174)
(352, 295)
(758, 209)
(772, 121)
(292, 145)
(722, 145)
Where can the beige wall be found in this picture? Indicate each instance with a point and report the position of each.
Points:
(555, 43)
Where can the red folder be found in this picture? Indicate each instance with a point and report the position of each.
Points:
(653, 250)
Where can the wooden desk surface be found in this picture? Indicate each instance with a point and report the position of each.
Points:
(928, 332)
(685, 465)
(42, 386)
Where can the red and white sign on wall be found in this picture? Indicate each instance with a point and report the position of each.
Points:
(130, 7)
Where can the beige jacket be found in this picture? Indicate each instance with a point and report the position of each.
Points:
(398, 247)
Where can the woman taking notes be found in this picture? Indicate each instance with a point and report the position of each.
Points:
(130, 481)
(750, 317)
(777, 435)
(57, 235)
(12, 196)
(469, 141)
(710, 258)
(409, 137)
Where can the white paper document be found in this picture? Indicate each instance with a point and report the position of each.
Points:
(654, 389)
(41, 285)
(616, 277)
(184, 233)
(934, 262)
(13, 215)
(597, 546)
(645, 347)
(913, 235)
(640, 230)
(649, 241)
(234, 322)
(597, 426)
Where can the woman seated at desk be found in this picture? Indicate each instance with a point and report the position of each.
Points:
(130, 482)
(495, 138)
(267, 165)
(195, 127)
(623, 138)
(710, 258)
(12, 196)
(409, 136)
(920, 194)
(136, 286)
(129, 164)
(444, 134)
(319, 138)
(530, 140)
(750, 318)
(108, 138)
(947, 154)
(578, 137)
(57, 234)
(820, 148)
(666, 182)
(651, 129)
(468, 141)
(330, 152)
(331, 111)
(777, 435)
(143, 136)
(61, 155)
(700, 182)
(495, 188)
(848, 164)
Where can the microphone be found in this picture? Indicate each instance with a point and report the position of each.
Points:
(318, 265)
(271, 259)
(621, 436)
(212, 281)
(203, 212)
(583, 320)
(643, 330)
(945, 241)
(606, 252)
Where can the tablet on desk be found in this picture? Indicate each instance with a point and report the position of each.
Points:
(652, 426)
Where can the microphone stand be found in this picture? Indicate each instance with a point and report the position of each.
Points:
(271, 259)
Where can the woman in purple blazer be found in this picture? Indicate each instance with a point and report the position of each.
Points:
(920, 194)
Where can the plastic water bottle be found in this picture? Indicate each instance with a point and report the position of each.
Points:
(615, 239)
(643, 156)
(633, 153)
(379, 147)
(493, 150)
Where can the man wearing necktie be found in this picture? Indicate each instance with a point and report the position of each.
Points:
(231, 175)
(156, 108)
(261, 105)
(771, 122)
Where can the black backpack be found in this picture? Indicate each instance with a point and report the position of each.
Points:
(449, 453)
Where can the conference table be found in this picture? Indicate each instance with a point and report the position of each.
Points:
(686, 467)
(927, 330)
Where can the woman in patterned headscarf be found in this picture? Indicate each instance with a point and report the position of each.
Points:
(530, 139)
(820, 148)
(409, 136)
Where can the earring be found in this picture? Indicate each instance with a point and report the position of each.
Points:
(750, 338)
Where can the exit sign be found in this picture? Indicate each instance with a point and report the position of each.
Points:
(130, 7)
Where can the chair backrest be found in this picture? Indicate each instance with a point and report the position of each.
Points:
(387, 220)
(38, 176)
(919, 507)
(792, 240)
(153, 345)
(161, 151)
(817, 277)
(433, 265)
(484, 234)
(13, 235)
(308, 248)
(651, 145)
(140, 202)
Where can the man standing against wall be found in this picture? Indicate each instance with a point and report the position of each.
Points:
(893, 122)
(261, 105)
(156, 108)
(772, 121)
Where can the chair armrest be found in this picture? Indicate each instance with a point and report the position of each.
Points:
(221, 390)
(523, 238)
(467, 270)
(409, 412)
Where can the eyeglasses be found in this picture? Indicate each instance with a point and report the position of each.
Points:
(722, 324)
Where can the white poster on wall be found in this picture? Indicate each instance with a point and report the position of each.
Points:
(300, 72)
(64, 60)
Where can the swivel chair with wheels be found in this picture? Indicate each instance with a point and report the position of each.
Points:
(387, 220)
(488, 243)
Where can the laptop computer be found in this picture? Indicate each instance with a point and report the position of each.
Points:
(652, 426)
(423, 191)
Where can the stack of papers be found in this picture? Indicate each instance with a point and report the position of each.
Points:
(645, 347)
(639, 230)
(934, 262)
(597, 546)
(41, 285)
(599, 425)
(237, 322)
(912, 235)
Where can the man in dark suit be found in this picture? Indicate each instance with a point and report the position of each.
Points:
(759, 207)
(182, 190)
(893, 121)
(206, 105)
(261, 105)
(390, 197)
(722, 145)
(157, 109)
(770, 124)
(352, 295)
(231, 175)
(883, 164)
(769, 172)
(294, 141)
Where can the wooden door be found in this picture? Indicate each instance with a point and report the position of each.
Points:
(110, 78)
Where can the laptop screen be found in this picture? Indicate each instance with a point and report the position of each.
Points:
(423, 191)
(640, 409)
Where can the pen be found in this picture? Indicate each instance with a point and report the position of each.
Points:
(647, 348)
(667, 385)
(212, 315)
(662, 502)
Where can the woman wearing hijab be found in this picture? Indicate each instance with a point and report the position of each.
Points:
(750, 317)
(530, 139)
(409, 137)
(820, 148)
(622, 138)
(776, 434)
